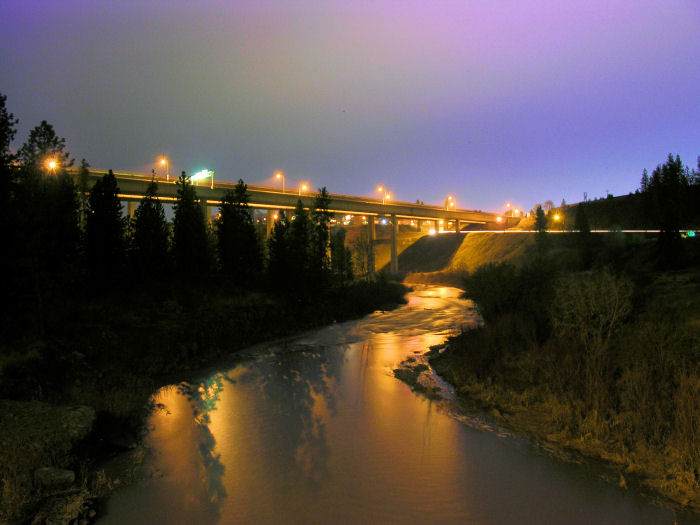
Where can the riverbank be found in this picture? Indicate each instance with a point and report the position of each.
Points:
(110, 360)
(593, 348)
(548, 418)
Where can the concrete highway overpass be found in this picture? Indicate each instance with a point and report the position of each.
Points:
(132, 188)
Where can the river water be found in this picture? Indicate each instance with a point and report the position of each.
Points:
(317, 430)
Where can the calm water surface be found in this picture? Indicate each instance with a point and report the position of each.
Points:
(317, 430)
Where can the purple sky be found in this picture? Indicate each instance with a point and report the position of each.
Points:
(492, 100)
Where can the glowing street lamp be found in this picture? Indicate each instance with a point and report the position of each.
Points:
(450, 202)
(280, 176)
(303, 187)
(51, 165)
(164, 162)
(499, 219)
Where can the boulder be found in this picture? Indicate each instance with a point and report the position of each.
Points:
(53, 478)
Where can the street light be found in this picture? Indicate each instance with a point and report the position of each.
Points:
(302, 187)
(450, 202)
(164, 162)
(280, 175)
(51, 165)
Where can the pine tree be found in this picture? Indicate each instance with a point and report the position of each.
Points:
(83, 190)
(644, 187)
(190, 239)
(320, 238)
(541, 227)
(341, 258)
(105, 228)
(7, 133)
(42, 145)
(150, 238)
(240, 253)
(277, 248)
(298, 249)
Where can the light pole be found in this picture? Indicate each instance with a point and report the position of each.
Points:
(280, 175)
(164, 162)
(450, 202)
(302, 187)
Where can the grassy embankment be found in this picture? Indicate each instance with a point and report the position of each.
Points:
(590, 346)
(448, 258)
(109, 355)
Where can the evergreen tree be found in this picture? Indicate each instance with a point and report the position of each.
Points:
(8, 216)
(320, 238)
(277, 248)
(7, 133)
(150, 237)
(541, 227)
(240, 253)
(83, 190)
(43, 144)
(341, 258)
(105, 228)
(190, 239)
(298, 249)
(645, 181)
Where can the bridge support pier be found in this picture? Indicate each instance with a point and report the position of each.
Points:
(212, 212)
(457, 228)
(394, 266)
(270, 221)
(371, 236)
(131, 208)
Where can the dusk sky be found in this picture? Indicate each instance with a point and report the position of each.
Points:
(492, 101)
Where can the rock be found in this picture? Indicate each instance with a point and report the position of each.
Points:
(53, 478)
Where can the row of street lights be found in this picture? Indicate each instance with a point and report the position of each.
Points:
(450, 202)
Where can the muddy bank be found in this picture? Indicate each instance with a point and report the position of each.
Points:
(540, 417)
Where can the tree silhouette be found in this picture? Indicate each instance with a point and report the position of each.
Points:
(43, 144)
(7, 132)
(150, 238)
(190, 240)
(105, 227)
(541, 227)
(320, 238)
(277, 247)
(240, 253)
(341, 258)
(298, 250)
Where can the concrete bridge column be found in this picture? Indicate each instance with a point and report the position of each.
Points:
(131, 208)
(270, 221)
(212, 212)
(457, 225)
(394, 267)
(371, 236)
(420, 225)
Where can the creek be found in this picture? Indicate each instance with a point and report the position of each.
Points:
(317, 429)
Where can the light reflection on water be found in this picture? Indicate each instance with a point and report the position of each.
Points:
(318, 430)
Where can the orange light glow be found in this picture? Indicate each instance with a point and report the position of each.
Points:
(51, 164)
(499, 219)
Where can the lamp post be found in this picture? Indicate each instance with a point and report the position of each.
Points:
(450, 202)
(164, 162)
(303, 187)
(280, 175)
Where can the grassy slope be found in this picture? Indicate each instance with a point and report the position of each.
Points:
(478, 249)
(447, 264)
